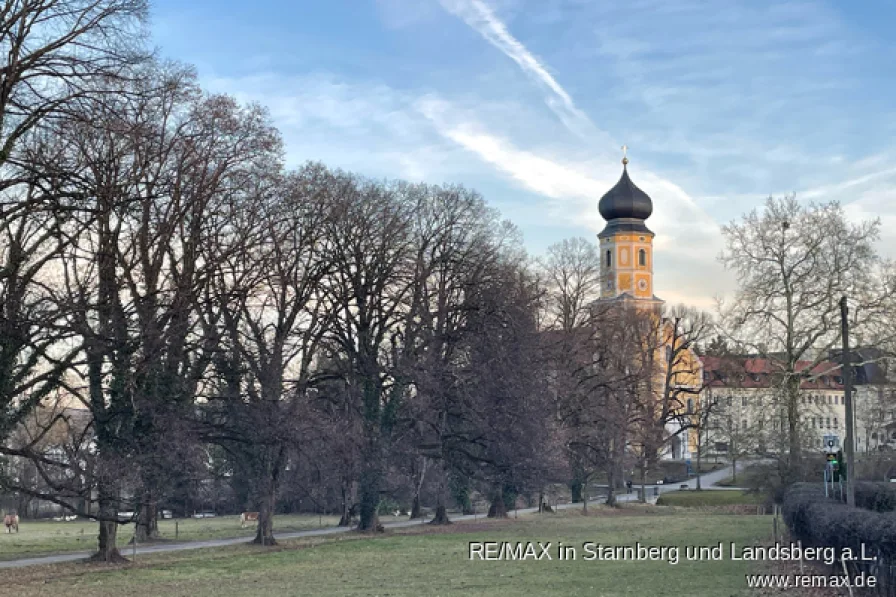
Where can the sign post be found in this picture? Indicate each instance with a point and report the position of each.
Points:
(847, 394)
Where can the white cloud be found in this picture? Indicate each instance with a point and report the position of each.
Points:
(686, 235)
(479, 16)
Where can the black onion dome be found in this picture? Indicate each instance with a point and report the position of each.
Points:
(625, 200)
(625, 207)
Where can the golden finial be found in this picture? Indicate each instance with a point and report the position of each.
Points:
(624, 158)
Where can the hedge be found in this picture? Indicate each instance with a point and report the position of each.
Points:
(819, 521)
(880, 497)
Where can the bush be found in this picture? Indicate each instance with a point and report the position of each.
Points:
(819, 521)
(879, 497)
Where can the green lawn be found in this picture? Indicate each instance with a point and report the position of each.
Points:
(709, 497)
(47, 537)
(411, 563)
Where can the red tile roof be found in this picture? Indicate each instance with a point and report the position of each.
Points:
(751, 372)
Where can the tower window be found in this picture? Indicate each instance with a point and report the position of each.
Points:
(642, 257)
(609, 258)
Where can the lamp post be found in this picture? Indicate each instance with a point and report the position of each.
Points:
(847, 394)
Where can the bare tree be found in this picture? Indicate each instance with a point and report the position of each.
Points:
(54, 52)
(372, 290)
(572, 273)
(273, 314)
(794, 262)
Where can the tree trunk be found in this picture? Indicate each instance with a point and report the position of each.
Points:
(418, 488)
(370, 495)
(576, 490)
(148, 521)
(346, 519)
(498, 508)
(699, 451)
(612, 481)
(795, 459)
(264, 534)
(441, 517)
(416, 510)
(107, 550)
(267, 496)
(643, 473)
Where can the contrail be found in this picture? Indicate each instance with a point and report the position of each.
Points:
(480, 17)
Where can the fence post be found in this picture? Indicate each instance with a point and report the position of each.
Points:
(846, 573)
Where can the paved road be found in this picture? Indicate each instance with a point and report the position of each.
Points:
(708, 480)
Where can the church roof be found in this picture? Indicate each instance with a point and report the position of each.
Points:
(753, 372)
(625, 206)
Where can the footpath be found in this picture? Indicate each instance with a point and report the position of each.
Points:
(707, 481)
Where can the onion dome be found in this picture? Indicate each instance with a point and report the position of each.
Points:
(625, 206)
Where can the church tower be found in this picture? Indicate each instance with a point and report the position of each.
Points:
(626, 244)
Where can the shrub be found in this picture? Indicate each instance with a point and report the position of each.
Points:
(880, 497)
(819, 521)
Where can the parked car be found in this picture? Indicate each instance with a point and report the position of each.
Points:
(166, 514)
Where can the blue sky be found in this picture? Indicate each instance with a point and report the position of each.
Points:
(721, 104)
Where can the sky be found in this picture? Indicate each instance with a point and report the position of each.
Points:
(721, 104)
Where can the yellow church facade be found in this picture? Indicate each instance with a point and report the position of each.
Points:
(626, 250)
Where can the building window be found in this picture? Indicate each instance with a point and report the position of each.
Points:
(802, 399)
(813, 422)
(642, 257)
(690, 406)
(743, 424)
(609, 258)
(743, 400)
(729, 400)
(829, 423)
(835, 422)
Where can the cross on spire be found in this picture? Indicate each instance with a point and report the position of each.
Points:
(624, 155)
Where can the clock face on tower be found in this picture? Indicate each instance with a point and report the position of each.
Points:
(642, 285)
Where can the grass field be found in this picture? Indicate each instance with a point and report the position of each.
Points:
(411, 563)
(709, 497)
(48, 537)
